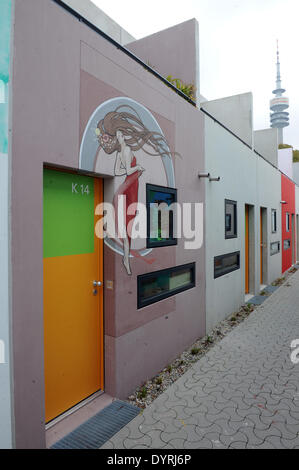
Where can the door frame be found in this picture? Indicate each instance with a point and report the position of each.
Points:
(250, 247)
(263, 245)
(101, 391)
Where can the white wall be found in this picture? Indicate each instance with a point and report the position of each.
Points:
(296, 172)
(94, 15)
(269, 196)
(285, 161)
(247, 179)
(266, 143)
(235, 113)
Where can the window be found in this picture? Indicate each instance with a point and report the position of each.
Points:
(225, 264)
(160, 216)
(274, 220)
(230, 219)
(286, 244)
(159, 285)
(287, 222)
(274, 248)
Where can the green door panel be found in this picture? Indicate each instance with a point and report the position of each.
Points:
(68, 214)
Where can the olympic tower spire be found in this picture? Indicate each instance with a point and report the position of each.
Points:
(279, 117)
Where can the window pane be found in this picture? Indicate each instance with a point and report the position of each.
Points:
(161, 284)
(160, 216)
(226, 263)
(286, 244)
(230, 219)
(287, 222)
(274, 221)
(274, 248)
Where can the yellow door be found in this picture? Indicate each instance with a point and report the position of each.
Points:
(73, 307)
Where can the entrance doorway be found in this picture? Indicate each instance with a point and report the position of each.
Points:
(249, 250)
(73, 292)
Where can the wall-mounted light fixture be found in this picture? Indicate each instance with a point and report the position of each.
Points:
(203, 175)
(283, 202)
(214, 179)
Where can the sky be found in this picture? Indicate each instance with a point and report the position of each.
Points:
(237, 46)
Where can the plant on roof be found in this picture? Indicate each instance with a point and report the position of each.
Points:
(188, 89)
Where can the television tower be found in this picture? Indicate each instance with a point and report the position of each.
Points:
(279, 117)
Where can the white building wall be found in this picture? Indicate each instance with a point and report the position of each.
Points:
(296, 172)
(266, 143)
(269, 197)
(285, 161)
(235, 113)
(247, 179)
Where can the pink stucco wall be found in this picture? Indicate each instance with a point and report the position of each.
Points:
(173, 51)
(61, 77)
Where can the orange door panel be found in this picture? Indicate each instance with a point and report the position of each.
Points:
(73, 310)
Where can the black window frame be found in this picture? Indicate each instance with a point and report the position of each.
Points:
(276, 252)
(228, 270)
(171, 241)
(235, 204)
(164, 295)
(290, 244)
(288, 225)
(274, 229)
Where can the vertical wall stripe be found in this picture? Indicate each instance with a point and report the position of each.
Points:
(5, 392)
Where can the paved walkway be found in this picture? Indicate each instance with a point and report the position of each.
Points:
(244, 393)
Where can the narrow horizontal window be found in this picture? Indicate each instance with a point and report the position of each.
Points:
(230, 219)
(286, 244)
(159, 285)
(274, 248)
(225, 264)
(161, 206)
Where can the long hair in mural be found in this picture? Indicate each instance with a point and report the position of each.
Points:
(125, 129)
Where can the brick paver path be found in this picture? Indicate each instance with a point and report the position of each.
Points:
(244, 393)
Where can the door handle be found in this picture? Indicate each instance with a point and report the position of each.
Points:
(97, 283)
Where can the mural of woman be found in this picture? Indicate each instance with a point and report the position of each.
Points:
(123, 133)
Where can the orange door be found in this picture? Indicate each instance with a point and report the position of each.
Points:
(73, 307)
(246, 249)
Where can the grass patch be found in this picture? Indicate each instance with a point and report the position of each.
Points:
(143, 393)
(195, 351)
(278, 281)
